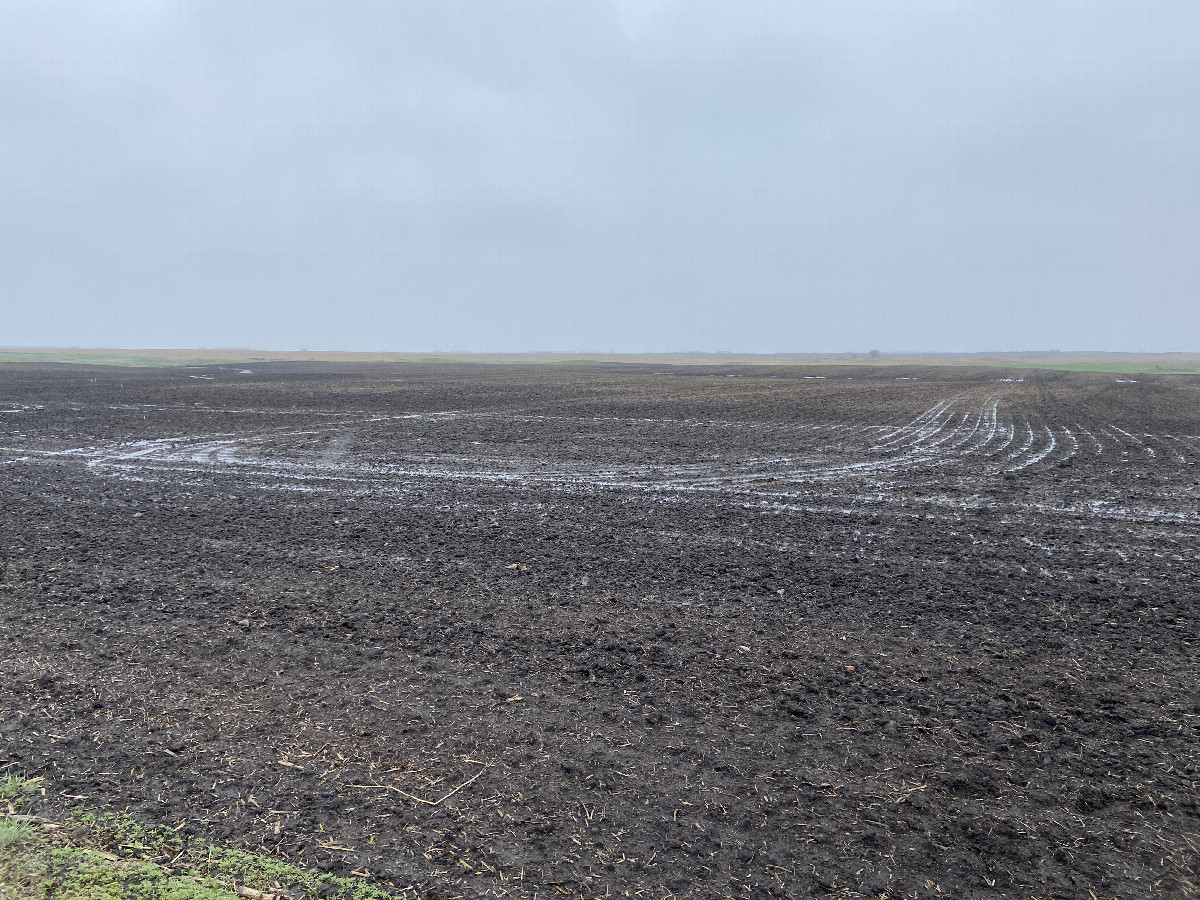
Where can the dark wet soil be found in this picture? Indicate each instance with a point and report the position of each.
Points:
(518, 631)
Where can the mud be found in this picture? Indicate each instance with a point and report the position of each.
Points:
(538, 631)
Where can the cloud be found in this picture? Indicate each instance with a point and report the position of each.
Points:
(622, 175)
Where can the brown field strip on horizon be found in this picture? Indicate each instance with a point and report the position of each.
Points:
(1151, 363)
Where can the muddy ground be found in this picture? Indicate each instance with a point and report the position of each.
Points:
(539, 631)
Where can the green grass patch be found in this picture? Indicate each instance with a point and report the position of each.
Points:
(147, 361)
(115, 359)
(112, 857)
(1114, 368)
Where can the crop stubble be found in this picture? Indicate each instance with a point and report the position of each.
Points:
(688, 631)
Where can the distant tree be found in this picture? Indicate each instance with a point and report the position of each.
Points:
(874, 354)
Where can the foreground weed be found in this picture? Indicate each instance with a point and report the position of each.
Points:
(48, 867)
(41, 869)
(13, 833)
(113, 857)
(16, 789)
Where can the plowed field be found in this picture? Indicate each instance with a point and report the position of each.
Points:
(539, 631)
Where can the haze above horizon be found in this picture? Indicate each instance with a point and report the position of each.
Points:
(625, 176)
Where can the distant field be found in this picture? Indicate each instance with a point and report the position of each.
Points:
(1127, 363)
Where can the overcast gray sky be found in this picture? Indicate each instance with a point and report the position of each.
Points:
(630, 175)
